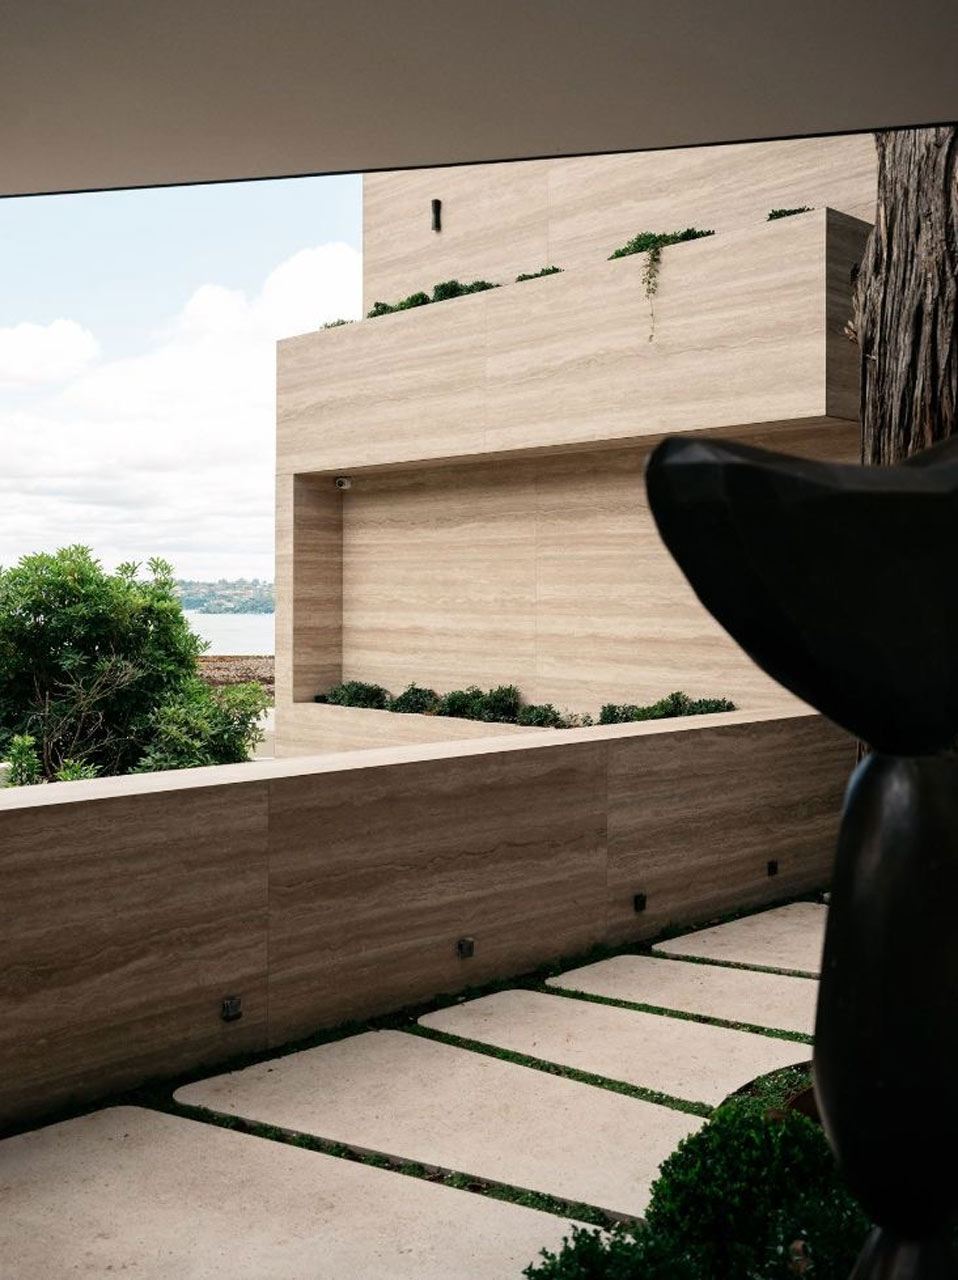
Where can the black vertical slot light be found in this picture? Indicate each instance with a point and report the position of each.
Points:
(437, 215)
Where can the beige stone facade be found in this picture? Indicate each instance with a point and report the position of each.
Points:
(496, 527)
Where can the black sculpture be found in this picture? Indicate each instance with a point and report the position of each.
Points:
(838, 581)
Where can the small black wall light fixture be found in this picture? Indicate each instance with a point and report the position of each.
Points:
(231, 1009)
(773, 866)
(437, 215)
(639, 902)
(465, 948)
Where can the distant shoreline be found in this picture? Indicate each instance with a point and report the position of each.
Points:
(238, 595)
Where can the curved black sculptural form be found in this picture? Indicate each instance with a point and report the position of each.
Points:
(837, 580)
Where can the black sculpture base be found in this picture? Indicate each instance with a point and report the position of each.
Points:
(887, 1257)
(839, 582)
(886, 1036)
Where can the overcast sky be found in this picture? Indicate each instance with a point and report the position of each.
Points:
(137, 362)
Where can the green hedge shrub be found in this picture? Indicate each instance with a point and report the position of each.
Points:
(453, 289)
(415, 701)
(537, 275)
(673, 704)
(656, 241)
(544, 715)
(464, 703)
(500, 705)
(356, 693)
(541, 715)
(741, 1199)
(503, 705)
(440, 293)
(787, 213)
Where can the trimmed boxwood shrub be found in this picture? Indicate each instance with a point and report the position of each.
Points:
(541, 715)
(748, 1195)
(544, 715)
(503, 705)
(673, 704)
(464, 703)
(787, 213)
(356, 693)
(415, 701)
(500, 705)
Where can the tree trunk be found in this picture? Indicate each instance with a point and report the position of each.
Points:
(906, 300)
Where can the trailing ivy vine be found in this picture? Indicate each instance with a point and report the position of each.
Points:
(652, 243)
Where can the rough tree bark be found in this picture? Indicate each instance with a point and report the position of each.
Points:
(906, 298)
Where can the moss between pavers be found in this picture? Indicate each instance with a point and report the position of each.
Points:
(157, 1095)
(799, 1037)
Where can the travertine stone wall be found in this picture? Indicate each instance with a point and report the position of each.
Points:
(496, 529)
(741, 336)
(500, 220)
(336, 887)
(548, 573)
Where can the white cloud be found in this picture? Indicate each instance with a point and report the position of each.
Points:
(36, 354)
(170, 452)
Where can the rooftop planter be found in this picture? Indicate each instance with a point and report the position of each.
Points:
(748, 330)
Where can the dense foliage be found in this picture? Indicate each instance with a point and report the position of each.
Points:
(415, 700)
(356, 693)
(673, 704)
(655, 241)
(537, 275)
(753, 1195)
(773, 214)
(504, 705)
(98, 674)
(440, 293)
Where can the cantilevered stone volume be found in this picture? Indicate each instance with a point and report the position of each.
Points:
(494, 528)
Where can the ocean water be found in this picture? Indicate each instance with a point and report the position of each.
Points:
(239, 633)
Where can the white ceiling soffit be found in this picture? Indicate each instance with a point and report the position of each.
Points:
(108, 93)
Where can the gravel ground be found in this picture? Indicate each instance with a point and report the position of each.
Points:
(237, 669)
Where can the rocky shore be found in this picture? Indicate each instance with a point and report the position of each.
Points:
(222, 669)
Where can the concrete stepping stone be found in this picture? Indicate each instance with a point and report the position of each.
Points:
(154, 1197)
(737, 995)
(689, 1060)
(789, 937)
(406, 1096)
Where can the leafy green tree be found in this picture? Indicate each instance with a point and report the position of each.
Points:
(95, 667)
(205, 726)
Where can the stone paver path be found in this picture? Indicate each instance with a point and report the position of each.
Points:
(148, 1196)
(387, 1091)
(736, 995)
(689, 1060)
(789, 938)
(136, 1192)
